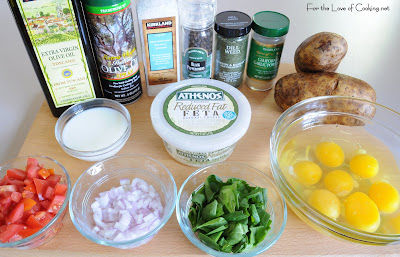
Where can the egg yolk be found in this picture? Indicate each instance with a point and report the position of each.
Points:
(307, 172)
(361, 212)
(325, 202)
(392, 226)
(330, 154)
(385, 197)
(339, 182)
(364, 165)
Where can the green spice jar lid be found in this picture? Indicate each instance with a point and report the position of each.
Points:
(232, 24)
(270, 24)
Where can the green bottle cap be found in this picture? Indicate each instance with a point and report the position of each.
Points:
(270, 24)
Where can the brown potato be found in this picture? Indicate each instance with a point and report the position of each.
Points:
(296, 87)
(321, 52)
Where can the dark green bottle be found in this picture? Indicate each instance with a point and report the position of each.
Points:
(58, 45)
(113, 37)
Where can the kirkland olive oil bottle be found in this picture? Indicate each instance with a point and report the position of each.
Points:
(56, 39)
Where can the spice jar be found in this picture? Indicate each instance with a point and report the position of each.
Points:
(197, 20)
(232, 29)
(268, 37)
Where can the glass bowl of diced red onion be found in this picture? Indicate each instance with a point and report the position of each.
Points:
(123, 201)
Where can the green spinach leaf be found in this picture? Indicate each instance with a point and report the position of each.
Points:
(208, 241)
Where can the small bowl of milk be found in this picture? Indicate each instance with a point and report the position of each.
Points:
(93, 130)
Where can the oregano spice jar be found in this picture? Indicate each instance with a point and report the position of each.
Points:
(268, 37)
(232, 28)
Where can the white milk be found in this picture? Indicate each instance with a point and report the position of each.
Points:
(94, 129)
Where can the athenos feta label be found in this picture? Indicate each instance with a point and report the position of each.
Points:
(200, 110)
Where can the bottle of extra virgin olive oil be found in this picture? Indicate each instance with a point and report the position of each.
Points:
(112, 33)
(56, 39)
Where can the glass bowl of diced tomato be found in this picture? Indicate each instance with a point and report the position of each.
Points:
(34, 193)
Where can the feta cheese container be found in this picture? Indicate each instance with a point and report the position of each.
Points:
(200, 120)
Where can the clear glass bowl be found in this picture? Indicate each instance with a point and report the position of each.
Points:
(54, 226)
(104, 175)
(365, 120)
(276, 206)
(100, 154)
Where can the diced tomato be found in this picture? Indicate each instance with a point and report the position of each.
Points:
(60, 189)
(11, 181)
(34, 222)
(16, 237)
(5, 194)
(16, 174)
(39, 220)
(5, 204)
(31, 162)
(2, 182)
(37, 207)
(16, 197)
(32, 168)
(27, 214)
(11, 188)
(27, 194)
(49, 193)
(41, 186)
(28, 232)
(16, 213)
(56, 203)
(45, 204)
(11, 230)
(53, 180)
(28, 203)
(28, 181)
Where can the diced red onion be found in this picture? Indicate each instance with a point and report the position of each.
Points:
(128, 211)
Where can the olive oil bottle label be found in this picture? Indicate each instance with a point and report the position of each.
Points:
(113, 38)
(200, 110)
(196, 63)
(53, 32)
(160, 50)
(263, 61)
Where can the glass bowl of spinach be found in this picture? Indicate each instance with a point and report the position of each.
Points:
(230, 208)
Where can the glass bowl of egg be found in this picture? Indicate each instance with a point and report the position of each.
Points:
(336, 161)
(93, 130)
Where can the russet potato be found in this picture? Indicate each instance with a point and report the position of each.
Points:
(321, 52)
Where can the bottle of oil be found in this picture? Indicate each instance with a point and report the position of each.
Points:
(57, 42)
(112, 33)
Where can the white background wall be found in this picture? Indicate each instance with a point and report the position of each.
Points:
(373, 55)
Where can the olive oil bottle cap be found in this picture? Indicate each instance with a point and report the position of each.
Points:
(270, 24)
(232, 24)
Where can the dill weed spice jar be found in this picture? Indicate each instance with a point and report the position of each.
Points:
(197, 20)
(268, 37)
(232, 30)
(111, 28)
